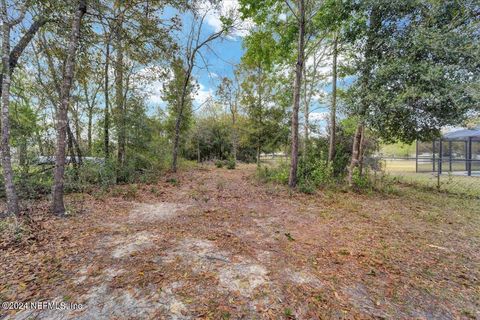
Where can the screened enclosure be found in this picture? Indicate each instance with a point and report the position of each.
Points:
(456, 152)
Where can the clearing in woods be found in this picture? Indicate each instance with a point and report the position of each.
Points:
(216, 244)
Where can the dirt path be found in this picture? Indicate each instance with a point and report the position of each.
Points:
(215, 244)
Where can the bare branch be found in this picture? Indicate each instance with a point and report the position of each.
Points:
(291, 9)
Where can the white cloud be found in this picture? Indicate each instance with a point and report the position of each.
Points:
(150, 81)
(203, 94)
(228, 8)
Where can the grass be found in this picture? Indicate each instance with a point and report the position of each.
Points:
(403, 171)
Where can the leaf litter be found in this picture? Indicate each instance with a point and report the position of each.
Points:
(193, 250)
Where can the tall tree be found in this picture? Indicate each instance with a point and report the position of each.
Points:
(119, 93)
(369, 54)
(333, 108)
(7, 23)
(195, 42)
(300, 17)
(292, 35)
(106, 117)
(416, 64)
(229, 93)
(58, 206)
(173, 92)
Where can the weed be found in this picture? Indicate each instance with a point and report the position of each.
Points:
(173, 181)
(288, 313)
(231, 164)
(289, 236)
(131, 192)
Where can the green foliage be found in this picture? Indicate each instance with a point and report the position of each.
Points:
(131, 192)
(315, 172)
(219, 163)
(230, 164)
(13, 230)
(173, 92)
(33, 182)
(418, 67)
(398, 150)
(307, 187)
(278, 174)
(361, 182)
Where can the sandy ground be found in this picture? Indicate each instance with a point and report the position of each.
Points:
(217, 244)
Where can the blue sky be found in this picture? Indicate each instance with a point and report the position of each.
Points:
(221, 57)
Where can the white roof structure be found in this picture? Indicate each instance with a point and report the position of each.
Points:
(463, 135)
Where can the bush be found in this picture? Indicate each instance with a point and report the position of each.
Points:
(231, 163)
(307, 187)
(90, 175)
(34, 185)
(361, 182)
(277, 174)
(219, 163)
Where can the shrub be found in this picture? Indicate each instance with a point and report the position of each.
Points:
(307, 187)
(361, 182)
(231, 164)
(219, 163)
(315, 172)
(131, 192)
(277, 174)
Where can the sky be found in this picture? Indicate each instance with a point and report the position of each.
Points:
(219, 61)
(220, 57)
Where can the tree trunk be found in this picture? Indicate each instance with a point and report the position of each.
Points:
(71, 149)
(375, 24)
(12, 198)
(198, 151)
(361, 150)
(306, 111)
(22, 44)
(292, 180)
(234, 137)
(76, 144)
(357, 140)
(176, 142)
(119, 100)
(258, 155)
(89, 131)
(78, 128)
(58, 206)
(106, 124)
(333, 110)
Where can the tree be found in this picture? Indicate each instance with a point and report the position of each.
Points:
(265, 95)
(300, 16)
(7, 24)
(134, 34)
(229, 93)
(58, 206)
(173, 92)
(416, 64)
(195, 43)
(298, 28)
(333, 109)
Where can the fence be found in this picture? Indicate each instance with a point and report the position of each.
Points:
(450, 175)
